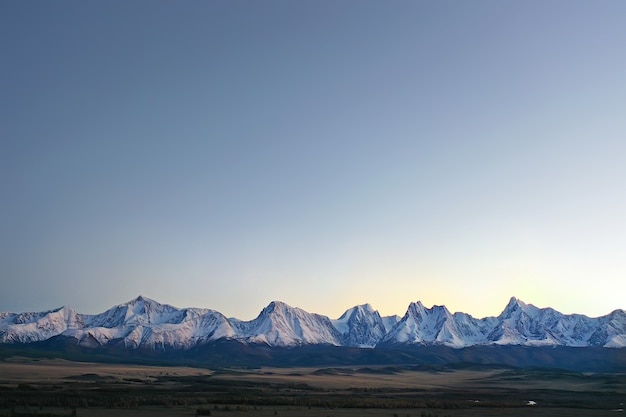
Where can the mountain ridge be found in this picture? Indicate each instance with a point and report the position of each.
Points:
(143, 323)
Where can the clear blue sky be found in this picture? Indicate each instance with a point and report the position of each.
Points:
(224, 154)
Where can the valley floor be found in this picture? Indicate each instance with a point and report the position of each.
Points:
(59, 388)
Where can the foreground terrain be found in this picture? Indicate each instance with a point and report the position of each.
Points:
(55, 387)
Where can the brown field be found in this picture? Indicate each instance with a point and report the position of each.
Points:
(54, 387)
(27, 370)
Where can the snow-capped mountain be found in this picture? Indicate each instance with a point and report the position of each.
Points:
(139, 322)
(191, 331)
(146, 324)
(518, 324)
(436, 325)
(35, 327)
(525, 324)
(142, 311)
(362, 326)
(281, 325)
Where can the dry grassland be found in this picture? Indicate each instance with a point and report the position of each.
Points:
(342, 378)
(213, 390)
(26, 370)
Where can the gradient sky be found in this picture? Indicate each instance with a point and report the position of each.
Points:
(224, 154)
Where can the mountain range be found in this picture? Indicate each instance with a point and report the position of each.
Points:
(146, 324)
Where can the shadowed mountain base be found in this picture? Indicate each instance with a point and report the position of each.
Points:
(232, 353)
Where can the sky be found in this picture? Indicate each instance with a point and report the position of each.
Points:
(225, 154)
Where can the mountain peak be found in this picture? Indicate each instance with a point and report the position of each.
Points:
(141, 299)
(360, 326)
(513, 305)
(514, 301)
(282, 325)
(277, 306)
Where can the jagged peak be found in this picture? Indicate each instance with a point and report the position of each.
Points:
(414, 308)
(419, 308)
(513, 304)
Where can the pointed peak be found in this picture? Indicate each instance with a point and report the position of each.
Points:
(142, 299)
(139, 300)
(513, 305)
(277, 305)
(516, 301)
